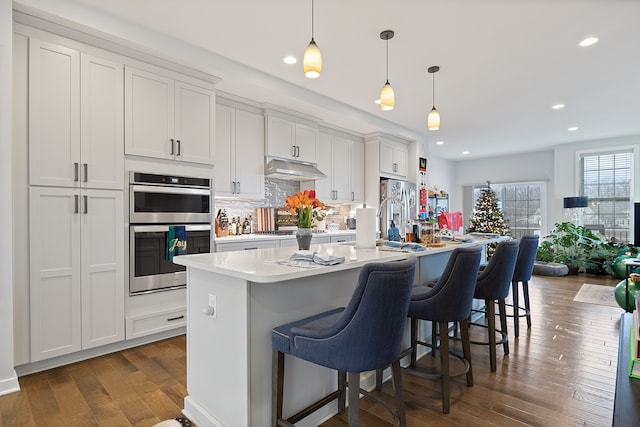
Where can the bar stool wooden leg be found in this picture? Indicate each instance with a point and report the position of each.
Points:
(466, 349)
(491, 317)
(396, 375)
(277, 386)
(414, 342)
(354, 399)
(444, 366)
(503, 325)
(342, 387)
(434, 338)
(527, 306)
(516, 308)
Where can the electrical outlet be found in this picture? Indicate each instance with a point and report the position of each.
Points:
(214, 305)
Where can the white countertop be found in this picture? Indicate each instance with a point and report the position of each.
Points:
(273, 264)
(250, 237)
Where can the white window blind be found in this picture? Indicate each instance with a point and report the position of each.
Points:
(607, 180)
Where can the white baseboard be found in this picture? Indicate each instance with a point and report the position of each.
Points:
(9, 385)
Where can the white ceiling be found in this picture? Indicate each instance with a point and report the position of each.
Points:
(503, 63)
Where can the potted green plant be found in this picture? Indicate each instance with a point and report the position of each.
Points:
(573, 245)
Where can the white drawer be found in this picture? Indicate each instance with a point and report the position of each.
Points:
(159, 321)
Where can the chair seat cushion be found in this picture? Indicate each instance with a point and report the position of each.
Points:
(281, 335)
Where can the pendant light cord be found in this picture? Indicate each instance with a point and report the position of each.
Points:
(434, 90)
(387, 60)
(312, 19)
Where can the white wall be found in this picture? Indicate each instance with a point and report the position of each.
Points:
(8, 378)
(440, 172)
(534, 166)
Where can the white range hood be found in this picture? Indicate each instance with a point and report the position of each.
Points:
(292, 171)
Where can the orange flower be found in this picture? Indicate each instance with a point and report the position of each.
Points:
(301, 205)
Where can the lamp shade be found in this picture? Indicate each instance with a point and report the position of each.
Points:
(576, 202)
(312, 61)
(387, 97)
(433, 120)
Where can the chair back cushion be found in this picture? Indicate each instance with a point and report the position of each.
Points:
(494, 281)
(526, 258)
(368, 333)
(452, 296)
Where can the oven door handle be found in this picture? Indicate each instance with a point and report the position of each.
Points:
(168, 190)
(165, 228)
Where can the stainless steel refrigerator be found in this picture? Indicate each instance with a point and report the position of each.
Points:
(398, 203)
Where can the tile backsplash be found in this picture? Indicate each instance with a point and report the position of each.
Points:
(275, 194)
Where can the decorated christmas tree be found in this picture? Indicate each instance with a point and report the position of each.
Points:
(487, 216)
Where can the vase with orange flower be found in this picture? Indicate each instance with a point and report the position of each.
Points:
(301, 206)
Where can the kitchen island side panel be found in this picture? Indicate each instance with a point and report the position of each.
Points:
(217, 350)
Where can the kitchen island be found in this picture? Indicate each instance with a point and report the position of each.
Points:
(234, 299)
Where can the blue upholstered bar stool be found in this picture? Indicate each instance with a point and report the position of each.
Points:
(492, 285)
(522, 274)
(365, 335)
(449, 300)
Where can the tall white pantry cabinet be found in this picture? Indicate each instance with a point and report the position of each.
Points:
(76, 214)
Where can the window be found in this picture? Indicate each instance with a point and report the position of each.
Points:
(606, 180)
(521, 204)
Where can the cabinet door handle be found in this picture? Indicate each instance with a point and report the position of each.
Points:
(233, 187)
(86, 172)
(353, 196)
(238, 187)
(75, 203)
(179, 150)
(75, 171)
(250, 249)
(297, 151)
(293, 151)
(171, 146)
(86, 204)
(171, 319)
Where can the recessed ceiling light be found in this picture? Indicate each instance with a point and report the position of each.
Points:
(290, 60)
(558, 106)
(465, 153)
(439, 142)
(589, 41)
(573, 128)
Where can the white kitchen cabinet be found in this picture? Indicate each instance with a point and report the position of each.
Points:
(167, 118)
(75, 118)
(342, 159)
(393, 158)
(76, 270)
(291, 140)
(356, 170)
(239, 159)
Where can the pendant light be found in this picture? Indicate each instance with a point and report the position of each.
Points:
(433, 120)
(387, 97)
(312, 58)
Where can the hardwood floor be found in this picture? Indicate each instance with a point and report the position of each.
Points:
(561, 372)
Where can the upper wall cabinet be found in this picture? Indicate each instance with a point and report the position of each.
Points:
(342, 159)
(166, 118)
(289, 139)
(239, 165)
(393, 158)
(75, 118)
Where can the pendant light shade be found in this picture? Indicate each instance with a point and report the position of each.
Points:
(312, 61)
(387, 96)
(433, 120)
(312, 57)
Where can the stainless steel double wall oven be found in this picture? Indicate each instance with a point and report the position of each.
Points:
(157, 202)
